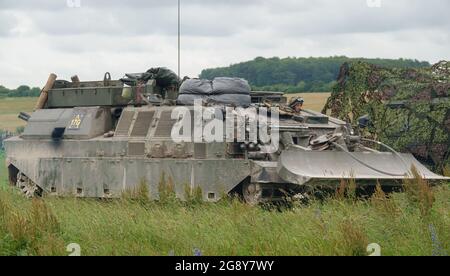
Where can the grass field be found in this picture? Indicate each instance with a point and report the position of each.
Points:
(9, 110)
(313, 101)
(412, 223)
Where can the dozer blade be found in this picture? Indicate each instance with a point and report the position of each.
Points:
(301, 167)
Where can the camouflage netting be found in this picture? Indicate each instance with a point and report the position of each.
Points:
(409, 109)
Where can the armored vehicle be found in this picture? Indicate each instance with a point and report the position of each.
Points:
(102, 139)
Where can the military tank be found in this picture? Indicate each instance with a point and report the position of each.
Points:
(102, 139)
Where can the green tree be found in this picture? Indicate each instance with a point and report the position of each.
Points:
(298, 74)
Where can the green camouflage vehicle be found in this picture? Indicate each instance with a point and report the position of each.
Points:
(103, 139)
(408, 109)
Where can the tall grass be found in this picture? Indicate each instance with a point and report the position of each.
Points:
(447, 170)
(401, 223)
(130, 227)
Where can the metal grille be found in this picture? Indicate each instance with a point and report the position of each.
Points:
(165, 125)
(124, 123)
(136, 149)
(142, 124)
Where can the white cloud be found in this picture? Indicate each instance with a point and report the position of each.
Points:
(39, 37)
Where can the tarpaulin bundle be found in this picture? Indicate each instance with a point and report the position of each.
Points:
(228, 91)
(164, 77)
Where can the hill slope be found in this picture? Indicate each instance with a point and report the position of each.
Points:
(297, 74)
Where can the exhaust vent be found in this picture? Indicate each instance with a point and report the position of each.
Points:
(142, 124)
(165, 125)
(124, 123)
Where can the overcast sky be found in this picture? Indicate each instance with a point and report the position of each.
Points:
(90, 37)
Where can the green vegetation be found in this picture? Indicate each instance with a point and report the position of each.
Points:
(21, 91)
(412, 223)
(293, 75)
(409, 108)
(3, 175)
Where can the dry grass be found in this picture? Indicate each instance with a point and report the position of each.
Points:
(346, 189)
(418, 192)
(354, 239)
(33, 231)
(447, 170)
(313, 101)
(9, 110)
(383, 204)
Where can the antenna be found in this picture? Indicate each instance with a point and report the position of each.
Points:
(179, 39)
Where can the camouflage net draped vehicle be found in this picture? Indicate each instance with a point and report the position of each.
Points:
(408, 109)
(106, 138)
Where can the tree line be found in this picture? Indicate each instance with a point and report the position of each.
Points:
(293, 75)
(21, 91)
(289, 75)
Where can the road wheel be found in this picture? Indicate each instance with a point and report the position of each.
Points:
(253, 193)
(28, 187)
